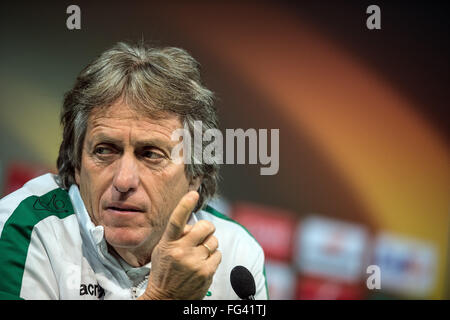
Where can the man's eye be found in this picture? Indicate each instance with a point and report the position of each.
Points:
(103, 151)
(152, 155)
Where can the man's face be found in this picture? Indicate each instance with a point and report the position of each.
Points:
(127, 181)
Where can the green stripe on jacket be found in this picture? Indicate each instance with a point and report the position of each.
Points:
(16, 236)
(216, 213)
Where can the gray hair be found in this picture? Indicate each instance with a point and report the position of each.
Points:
(152, 80)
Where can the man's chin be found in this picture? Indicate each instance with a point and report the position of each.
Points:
(125, 237)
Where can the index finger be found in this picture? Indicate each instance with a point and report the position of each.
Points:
(179, 216)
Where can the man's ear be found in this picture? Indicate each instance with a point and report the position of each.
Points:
(77, 176)
(195, 183)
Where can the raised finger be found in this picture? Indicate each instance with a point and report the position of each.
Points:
(179, 216)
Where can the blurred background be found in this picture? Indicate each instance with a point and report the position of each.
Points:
(364, 173)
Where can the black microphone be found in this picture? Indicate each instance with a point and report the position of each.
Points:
(243, 283)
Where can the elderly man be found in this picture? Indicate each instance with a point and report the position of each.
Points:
(122, 219)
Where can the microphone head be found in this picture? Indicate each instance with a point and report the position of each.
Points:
(242, 282)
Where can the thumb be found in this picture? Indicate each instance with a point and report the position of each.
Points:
(179, 216)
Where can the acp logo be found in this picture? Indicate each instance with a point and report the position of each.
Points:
(92, 289)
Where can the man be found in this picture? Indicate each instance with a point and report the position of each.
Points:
(122, 219)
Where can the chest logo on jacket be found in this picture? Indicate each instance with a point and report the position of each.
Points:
(92, 290)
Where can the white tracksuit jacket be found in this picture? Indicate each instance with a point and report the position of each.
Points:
(50, 249)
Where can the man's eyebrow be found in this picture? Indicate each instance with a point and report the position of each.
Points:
(104, 138)
(156, 142)
(147, 142)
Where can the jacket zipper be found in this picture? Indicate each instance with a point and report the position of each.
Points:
(135, 290)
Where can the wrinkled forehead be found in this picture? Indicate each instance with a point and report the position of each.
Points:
(121, 111)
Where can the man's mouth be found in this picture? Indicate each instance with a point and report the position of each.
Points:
(124, 208)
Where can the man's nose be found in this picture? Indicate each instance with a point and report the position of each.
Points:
(126, 177)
